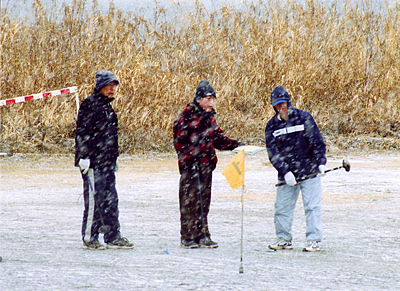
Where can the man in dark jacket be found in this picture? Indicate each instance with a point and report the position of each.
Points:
(196, 136)
(96, 153)
(297, 150)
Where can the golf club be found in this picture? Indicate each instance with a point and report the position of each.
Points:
(104, 229)
(201, 201)
(345, 165)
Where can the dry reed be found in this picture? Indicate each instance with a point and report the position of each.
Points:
(339, 63)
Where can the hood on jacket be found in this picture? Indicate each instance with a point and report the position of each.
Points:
(103, 78)
(279, 95)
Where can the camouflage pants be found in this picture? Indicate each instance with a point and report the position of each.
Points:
(100, 195)
(189, 203)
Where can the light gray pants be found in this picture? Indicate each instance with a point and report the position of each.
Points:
(286, 198)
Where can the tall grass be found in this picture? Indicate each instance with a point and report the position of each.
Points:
(339, 62)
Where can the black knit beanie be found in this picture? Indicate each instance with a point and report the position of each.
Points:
(204, 89)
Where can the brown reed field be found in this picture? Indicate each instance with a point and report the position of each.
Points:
(341, 63)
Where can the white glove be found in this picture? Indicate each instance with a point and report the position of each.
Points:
(84, 164)
(290, 179)
(322, 169)
(116, 166)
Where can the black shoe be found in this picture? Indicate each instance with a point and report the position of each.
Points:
(189, 244)
(120, 243)
(93, 245)
(207, 243)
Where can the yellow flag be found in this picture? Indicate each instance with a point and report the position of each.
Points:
(234, 171)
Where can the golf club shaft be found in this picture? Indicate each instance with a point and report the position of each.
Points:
(95, 201)
(309, 176)
(201, 201)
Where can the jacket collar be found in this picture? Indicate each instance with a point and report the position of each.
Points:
(201, 110)
(103, 98)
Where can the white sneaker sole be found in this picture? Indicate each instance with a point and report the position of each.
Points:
(208, 247)
(280, 247)
(114, 247)
(95, 249)
(311, 250)
(190, 247)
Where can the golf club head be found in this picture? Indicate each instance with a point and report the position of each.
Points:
(104, 229)
(346, 165)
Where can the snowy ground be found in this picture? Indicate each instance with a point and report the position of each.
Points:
(40, 220)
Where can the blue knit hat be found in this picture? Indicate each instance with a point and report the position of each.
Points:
(103, 78)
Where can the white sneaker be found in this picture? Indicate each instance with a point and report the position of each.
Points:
(281, 244)
(312, 246)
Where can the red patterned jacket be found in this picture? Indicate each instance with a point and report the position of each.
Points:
(196, 136)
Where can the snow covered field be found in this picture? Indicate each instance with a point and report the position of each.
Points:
(41, 209)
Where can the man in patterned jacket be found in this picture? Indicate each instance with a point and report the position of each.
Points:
(297, 150)
(196, 136)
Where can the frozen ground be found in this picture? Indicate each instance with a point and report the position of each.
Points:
(40, 220)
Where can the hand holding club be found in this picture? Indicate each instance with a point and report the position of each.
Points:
(84, 165)
(290, 179)
(345, 165)
(322, 170)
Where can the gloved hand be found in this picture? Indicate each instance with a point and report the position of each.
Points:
(195, 166)
(290, 179)
(322, 169)
(116, 166)
(84, 164)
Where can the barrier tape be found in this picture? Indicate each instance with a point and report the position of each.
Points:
(64, 91)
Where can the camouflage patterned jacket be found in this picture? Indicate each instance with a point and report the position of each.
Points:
(196, 136)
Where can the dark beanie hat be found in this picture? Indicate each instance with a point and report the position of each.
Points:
(204, 89)
(103, 78)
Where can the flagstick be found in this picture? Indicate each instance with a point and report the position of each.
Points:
(234, 173)
(241, 239)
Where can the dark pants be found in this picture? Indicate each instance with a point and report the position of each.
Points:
(189, 203)
(100, 195)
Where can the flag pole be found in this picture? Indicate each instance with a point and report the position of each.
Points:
(234, 173)
(241, 236)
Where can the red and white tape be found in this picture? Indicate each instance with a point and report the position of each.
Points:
(64, 91)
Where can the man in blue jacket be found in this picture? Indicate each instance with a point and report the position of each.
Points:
(96, 153)
(297, 151)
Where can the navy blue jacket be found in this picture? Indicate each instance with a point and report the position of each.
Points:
(295, 145)
(96, 135)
